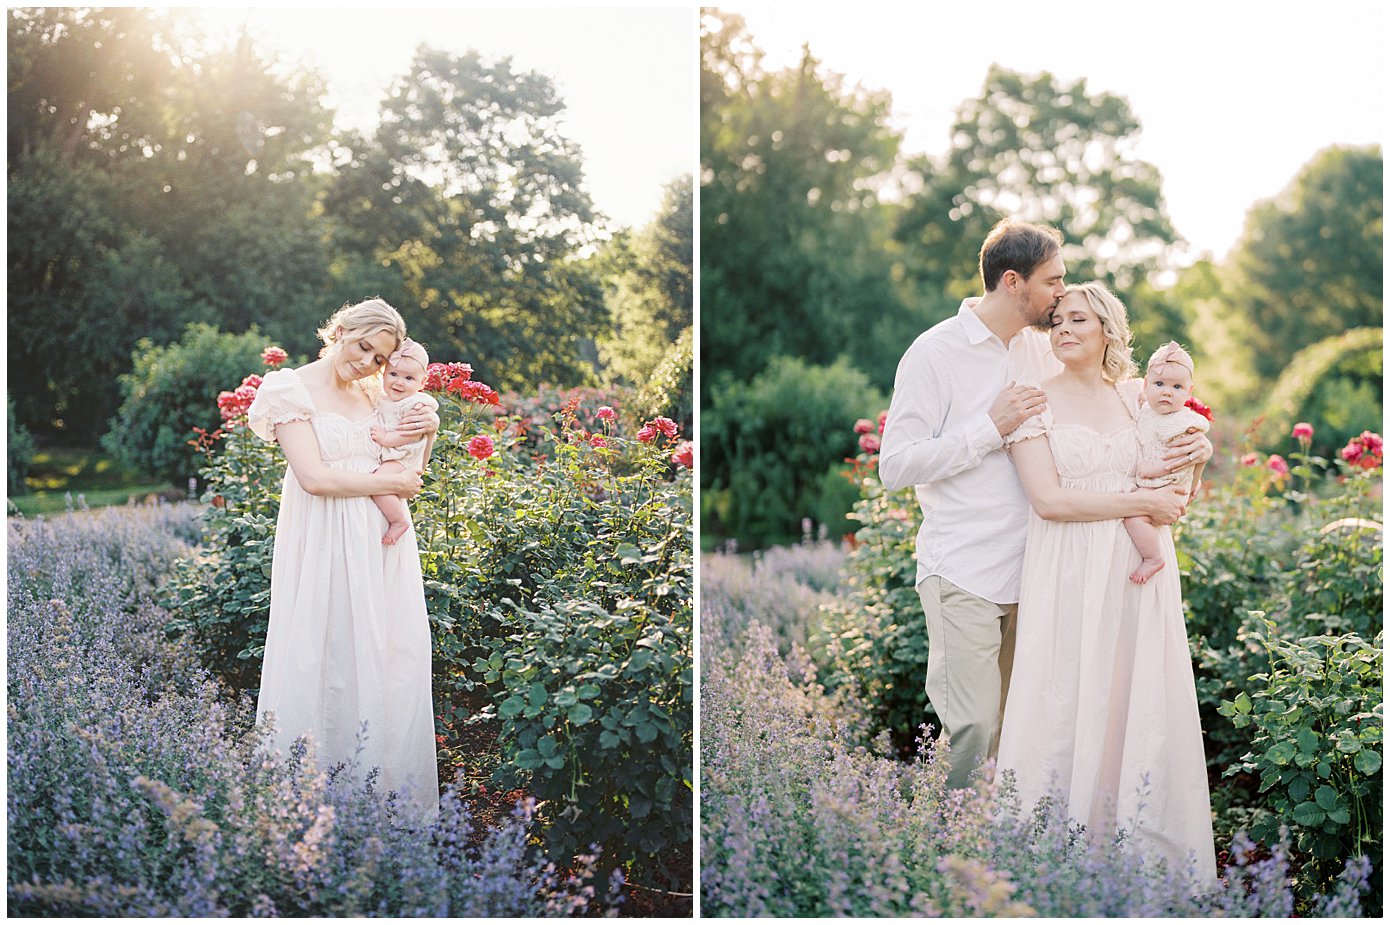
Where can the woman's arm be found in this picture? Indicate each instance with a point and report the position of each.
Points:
(301, 448)
(1038, 473)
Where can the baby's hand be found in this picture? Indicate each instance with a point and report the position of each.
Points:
(379, 434)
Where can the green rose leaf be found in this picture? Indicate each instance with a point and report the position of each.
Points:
(1327, 797)
(1308, 814)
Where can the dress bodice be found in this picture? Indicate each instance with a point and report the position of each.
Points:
(345, 443)
(1092, 460)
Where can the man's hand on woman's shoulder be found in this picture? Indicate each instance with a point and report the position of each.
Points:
(1016, 404)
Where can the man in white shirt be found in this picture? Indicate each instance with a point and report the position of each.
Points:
(956, 396)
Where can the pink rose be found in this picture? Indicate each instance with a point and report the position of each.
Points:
(273, 356)
(882, 420)
(1276, 464)
(1303, 431)
(646, 434)
(665, 425)
(481, 447)
(863, 426)
(253, 381)
(606, 413)
(684, 454)
(869, 443)
(598, 440)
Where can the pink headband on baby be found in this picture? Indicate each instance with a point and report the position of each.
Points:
(409, 349)
(1171, 352)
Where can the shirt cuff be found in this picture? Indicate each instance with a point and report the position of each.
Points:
(984, 435)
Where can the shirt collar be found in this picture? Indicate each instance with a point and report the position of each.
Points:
(975, 330)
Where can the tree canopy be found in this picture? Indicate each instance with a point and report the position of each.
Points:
(156, 179)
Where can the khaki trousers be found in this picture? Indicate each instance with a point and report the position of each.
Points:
(970, 654)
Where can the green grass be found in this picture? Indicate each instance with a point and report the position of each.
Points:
(58, 472)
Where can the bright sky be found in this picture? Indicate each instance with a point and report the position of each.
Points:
(1233, 96)
(628, 76)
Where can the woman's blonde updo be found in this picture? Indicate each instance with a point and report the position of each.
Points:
(1118, 363)
(362, 320)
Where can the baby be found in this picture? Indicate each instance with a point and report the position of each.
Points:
(1167, 387)
(402, 380)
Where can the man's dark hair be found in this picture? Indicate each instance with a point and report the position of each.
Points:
(1017, 246)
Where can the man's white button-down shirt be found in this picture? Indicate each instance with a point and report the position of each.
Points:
(939, 438)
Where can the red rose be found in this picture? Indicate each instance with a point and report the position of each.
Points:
(273, 356)
(606, 413)
(882, 420)
(598, 440)
(481, 447)
(1303, 431)
(863, 426)
(1277, 465)
(474, 392)
(1197, 406)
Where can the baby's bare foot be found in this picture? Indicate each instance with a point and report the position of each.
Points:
(1147, 569)
(394, 532)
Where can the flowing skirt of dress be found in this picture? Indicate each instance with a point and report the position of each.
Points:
(349, 640)
(1102, 708)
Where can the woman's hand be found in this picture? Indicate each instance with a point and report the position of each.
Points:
(418, 422)
(1191, 449)
(404, 484)
(1168, 504)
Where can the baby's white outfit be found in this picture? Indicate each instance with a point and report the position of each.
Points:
(411, 455)
(1154, 431)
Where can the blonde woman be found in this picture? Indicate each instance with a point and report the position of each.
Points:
(349, 641)
(1102, 707)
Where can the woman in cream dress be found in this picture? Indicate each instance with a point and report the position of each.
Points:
(348, 646)
(1102, 707)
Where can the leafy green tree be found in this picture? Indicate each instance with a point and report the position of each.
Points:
(470, 200)
(82, 289)
(152, 181)
(1310, 263)
(793, 234)
(651, 291)
(1041, 149)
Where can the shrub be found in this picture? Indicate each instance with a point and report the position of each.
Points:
(171, 390)
(530, 419)
(788, 587)
(136, 789)
(19, 450)
(767, 445)
(1318, 720)
(563, 586)
(877, 635)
